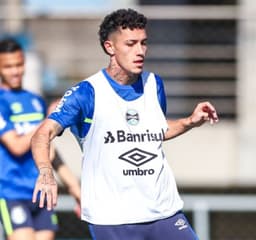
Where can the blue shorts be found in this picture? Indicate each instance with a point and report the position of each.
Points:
(23, 213)
(173, 228)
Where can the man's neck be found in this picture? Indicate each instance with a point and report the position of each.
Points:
(7, 87)
(121, 76)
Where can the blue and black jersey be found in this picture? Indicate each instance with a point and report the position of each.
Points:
(22, 111)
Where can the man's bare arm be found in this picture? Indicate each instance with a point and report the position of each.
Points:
(40, 142)
(40, 145)
(17, 144)
(203, 112)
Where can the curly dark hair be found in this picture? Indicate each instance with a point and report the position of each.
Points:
(123, 18)
(9, 45)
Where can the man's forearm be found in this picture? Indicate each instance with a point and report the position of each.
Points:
(40, 145)
(177, 127)
(203, 112)
(70, 181)
(41, 142)
(17, 144)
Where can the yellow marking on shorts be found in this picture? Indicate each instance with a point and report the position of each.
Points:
(6, 217)
(54, 219)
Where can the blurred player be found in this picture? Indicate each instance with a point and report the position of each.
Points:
(128, 189)
(20, 114)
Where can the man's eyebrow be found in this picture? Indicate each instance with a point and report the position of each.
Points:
(136, 40)
(131, 40)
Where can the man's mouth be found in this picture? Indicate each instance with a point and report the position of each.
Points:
(139, 62)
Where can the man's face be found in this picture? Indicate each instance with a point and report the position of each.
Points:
(12, 69)
(129, 49)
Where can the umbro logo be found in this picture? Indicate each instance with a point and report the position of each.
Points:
(181, 224)
(137, 156)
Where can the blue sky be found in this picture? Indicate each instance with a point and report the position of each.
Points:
(44, 6)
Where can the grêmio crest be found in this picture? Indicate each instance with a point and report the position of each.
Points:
(132, 117)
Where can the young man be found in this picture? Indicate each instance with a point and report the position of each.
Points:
(20, 114)
(128, 189)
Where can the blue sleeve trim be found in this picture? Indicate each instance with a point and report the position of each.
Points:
(161, 93)
(75, 107)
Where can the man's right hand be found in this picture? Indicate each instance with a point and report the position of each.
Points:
(48, 188)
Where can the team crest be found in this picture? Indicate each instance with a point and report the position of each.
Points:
(132, 117)
(18, 215)
(16, 107)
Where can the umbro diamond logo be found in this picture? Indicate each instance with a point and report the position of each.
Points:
(137, 156)
(181, 224)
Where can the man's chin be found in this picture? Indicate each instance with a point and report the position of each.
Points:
(138, 71)
(16, 88)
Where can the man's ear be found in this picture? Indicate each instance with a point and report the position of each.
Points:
(109, 47)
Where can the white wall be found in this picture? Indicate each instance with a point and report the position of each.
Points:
(205, 156)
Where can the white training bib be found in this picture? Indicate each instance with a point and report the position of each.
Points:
(125, 175)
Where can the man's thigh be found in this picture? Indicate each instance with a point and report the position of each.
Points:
(14, 215)
(21, 214)
(175, 227)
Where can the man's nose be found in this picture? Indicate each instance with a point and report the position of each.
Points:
(141, 49)
(15, 70)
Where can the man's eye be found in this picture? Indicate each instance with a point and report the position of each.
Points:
(130, 44)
